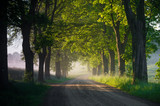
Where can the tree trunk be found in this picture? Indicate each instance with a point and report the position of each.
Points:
(94, 71)
(88, 67)
(120, 50)
(99, 69)
(26, 28)
(112, 61)
(137, 25)
(41, 64)
(104, 63)
(48, 58)
(64, 65)
(121, 62)
(3, 45)
(64, 73)
(28, 54)
(47, 64)
(57, 65)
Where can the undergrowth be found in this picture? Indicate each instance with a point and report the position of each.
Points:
(150, 91)
(23, 94)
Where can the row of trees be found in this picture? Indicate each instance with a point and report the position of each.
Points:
(114, 29)
(98, 31)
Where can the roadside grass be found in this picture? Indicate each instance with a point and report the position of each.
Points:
(151, 73)
(57, 80)
(23, 94)
(150, 91)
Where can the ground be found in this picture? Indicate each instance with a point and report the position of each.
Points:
(84, 92)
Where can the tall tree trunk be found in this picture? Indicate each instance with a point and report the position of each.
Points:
(94, 71)
(137, 25)
(48, 58)
(57, 64)
(41, 64)
(104, 63)
(3, 45)
(47, 64)
(63, 65)
(120, 45)
(99, 69)
(121, 62)
(88, 67)
(28, 54)
(120, 49)
(64, 72)
(112, 61)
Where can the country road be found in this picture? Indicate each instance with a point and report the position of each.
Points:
(83, 92)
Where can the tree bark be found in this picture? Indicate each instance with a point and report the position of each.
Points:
(64, 65)
(112, 61)
(104, 63)
(48, 58)
(3, 45)
(99, 69)
(47, 64)
(94, 71)
(41, 64)
(120, 49)
(28, 54)
(57, 65)
(137, 26)
(88, 67)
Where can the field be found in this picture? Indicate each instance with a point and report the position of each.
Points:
(18, 74)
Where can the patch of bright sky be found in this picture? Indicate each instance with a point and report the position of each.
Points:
(16, 46)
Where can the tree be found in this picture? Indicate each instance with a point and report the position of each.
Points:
(112, 61)
(137, 26)
(3, 45)
(57, 64)
(114, 16)
(42, 40)
(26, 25)
(105, 62)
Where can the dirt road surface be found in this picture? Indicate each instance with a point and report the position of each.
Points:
(83, 92)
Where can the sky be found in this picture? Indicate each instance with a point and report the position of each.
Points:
(16, 46)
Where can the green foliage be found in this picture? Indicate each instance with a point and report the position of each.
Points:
(158, 70)
(28, 77)
(23, 94)
(150, 91)
(129, 69)
(15, 11)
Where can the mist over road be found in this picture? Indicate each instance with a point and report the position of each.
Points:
(83, 92)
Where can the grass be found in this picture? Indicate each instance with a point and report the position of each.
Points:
(56, 80)
(151, 73)
(23, 94)
(150, 91)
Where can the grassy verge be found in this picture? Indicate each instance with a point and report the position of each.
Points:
(23, 94)
(150, 91)
(56, 80)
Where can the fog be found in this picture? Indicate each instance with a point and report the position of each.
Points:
(15, 61)
(78, 69)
